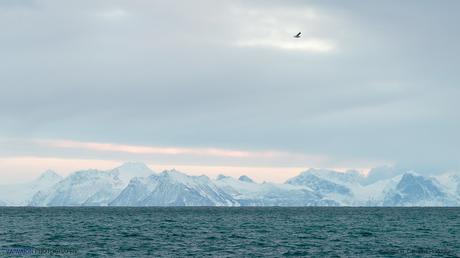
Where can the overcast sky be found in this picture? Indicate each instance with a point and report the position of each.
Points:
(222, 86)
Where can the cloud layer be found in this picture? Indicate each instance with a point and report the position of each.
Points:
(366, 84)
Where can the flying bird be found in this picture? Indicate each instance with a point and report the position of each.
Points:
(298, 35)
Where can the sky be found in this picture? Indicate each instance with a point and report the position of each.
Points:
(213, 87)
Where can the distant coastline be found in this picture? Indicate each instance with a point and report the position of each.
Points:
(136, 185)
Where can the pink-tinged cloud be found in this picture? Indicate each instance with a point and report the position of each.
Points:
(25, 168)
(136, 149)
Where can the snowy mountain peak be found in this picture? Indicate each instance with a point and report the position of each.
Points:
(221, 177)
(129, 170)
(134, 184)
(172, 172)
(182, 178)
(48, 176)
(382, 173)
(319, 171)
(411, 178)
(325, 182)
(246, 179)
(133, 166)
(177, 176)
(416, 190)
(205, 177)
(411, 173)
(173, 188)
(85, 187)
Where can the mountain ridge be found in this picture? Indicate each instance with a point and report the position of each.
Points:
(135, 184)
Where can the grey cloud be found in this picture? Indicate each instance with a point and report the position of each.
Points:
(166, 73)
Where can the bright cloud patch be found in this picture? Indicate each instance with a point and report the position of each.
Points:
(307, 45)
(275, 28)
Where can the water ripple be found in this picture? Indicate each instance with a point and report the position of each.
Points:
(234, 232)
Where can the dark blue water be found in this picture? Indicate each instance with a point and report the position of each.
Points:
(227, 232)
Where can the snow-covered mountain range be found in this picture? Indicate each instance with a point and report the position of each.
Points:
(134, 184)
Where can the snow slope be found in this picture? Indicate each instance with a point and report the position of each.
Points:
(173, 188)
(20, 194)
(134, 184)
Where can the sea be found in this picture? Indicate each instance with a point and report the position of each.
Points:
(229, 232)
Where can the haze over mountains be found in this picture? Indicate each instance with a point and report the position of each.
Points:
(134, 184)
